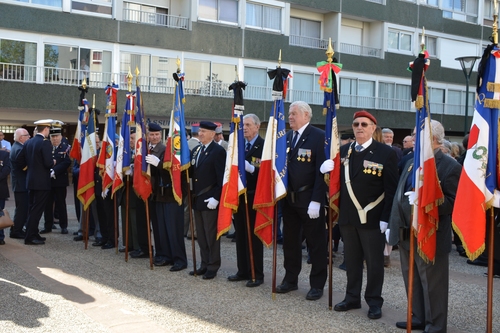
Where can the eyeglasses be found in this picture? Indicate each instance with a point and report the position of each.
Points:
(356, 124)
(413, 134)
(25, 135)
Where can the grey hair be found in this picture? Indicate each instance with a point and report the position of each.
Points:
(437, 131)
(387, 131)
(303, 107)
(254, 117)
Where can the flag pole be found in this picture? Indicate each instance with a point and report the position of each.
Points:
(86, 230)
(329, 53)
(127, 202)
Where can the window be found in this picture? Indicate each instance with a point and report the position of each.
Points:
(436, 100)
(430, 45)
(263, 17)
(394, 96)
(96, 57)
(306, 33)
(145, 14)
(399, 40)
(488, 9)
(357, 93)
(258, 84)
(131, 61)
(456, 102)
(17, 60)
(219, 10)
(462, 10)
(306, 88)
(51, 3)
(93, 6)
(429, 2)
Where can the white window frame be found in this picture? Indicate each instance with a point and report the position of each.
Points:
(401, 33)
(271, 4)
(218, 20)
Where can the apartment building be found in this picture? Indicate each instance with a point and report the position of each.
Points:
(48, 46)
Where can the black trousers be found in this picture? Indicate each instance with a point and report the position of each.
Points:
(106, 213)
(170, 233)
(38, 200)
(22, 200)
(142, 225)
(56, 202)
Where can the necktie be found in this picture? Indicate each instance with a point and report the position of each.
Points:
(358, 148)
(202, 150)
(151, 149)
(248, 146)
(295, 137)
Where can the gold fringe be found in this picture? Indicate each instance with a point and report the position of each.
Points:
(493, 87)
(471, 255)
(419, 103)
(491, 103)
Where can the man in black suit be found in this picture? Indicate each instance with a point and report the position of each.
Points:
(368, 180)
(253, 153)
(207, 169)
(37, 156)
(18, 179)
(303, 209)
(59, 180)
(430, 280)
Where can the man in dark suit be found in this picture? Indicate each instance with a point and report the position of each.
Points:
(368, 180)
(59, 180)
(303, 212)
(430, 280)
(253, 153)
(207, 169)
(37, 156)
(4, 187)
(18, 179)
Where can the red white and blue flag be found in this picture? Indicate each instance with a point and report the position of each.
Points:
(107, 156)
(85, 192)
(234, 181)
(76, 147)
(124, 153)
(479, 178)
(142, 177)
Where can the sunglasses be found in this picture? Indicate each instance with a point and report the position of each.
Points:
(356, 124)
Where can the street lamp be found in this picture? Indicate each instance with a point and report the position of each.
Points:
(467, 64)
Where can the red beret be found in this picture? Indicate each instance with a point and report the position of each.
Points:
(366, 114)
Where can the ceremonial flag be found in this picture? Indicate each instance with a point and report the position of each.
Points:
(107, 157)
(123, 155)
(328, 83)
(85, 192)
(142, 178)
(76, 147)
(424, 178)
(234, 181)
(177, 153)
(479, 178)
(272, 180)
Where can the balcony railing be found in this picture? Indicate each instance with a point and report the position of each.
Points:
(360, 50)
(165, 85)
(310, 42)
(170, 21)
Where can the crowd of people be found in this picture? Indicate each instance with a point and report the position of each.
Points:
(375, 200)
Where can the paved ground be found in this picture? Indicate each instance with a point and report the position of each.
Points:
(60, 287)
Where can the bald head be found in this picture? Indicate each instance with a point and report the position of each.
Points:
(21, 135)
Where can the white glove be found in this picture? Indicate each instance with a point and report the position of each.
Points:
(383, 226)
(129, 171)
(387, 234)
(412, 197)
(152, 159)
(52, 174)
(248, 167)
(212, 203)
(105, 193)
(313, 209)
(496, 199)
(327, 166)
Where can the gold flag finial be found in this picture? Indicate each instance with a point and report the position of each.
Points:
(129, 80)
(329, 51)
(279, 59)
(137, 76)
(178, 62)
(93, 101)
(422, 41)
(84, 83)
(494, 34)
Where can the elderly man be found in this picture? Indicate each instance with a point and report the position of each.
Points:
(303, 212)
(368, 180)
(430, 280)
(18, 179)
(388, 137)
(253, 152)
(207, 169)
(5, 145)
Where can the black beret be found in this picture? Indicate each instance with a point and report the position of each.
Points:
(153, 127)
(208, 125)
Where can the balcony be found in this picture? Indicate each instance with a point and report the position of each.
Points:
(364, 51)
(169, 21)
(313, 43)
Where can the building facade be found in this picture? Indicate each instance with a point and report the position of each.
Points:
(48, 46)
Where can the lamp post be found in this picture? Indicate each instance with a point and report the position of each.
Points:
(467, 64)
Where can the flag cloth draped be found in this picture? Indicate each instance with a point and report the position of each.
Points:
(328, 83)
(234, 181)
(107, 156)
(142, 178)
(177, 151)
(272, 180)
(85, 192)
(479, 177)
(424, 178)
(124, 154)
(76, 147)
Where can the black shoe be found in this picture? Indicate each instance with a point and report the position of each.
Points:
(209, 275)
(18, 235)
(139, 254)
(54, 227)
(64, 231)
(346, 306)
(414, 325)
(233, 235)
(236, 277)
(177, 267)
(286, 287)
(45, 231)
(98, 243)
(199, 271)
(478, 262)
(34, 242)
(107, 246)
(375, 312)
(255, 283)
(40, 238)
(122, 250)
(342, 266)
(280, 240)
(162, 262)
(314, 294)
(233, 240)
(75, 233)
(78, 238)
(2, 242)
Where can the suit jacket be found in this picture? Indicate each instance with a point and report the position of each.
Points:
(253, 157)
(60, 155)
(448, 170)
(305, 181)
(368, 186)
(37, 156)
(4, 174)
(208, 174)
(192, 143)
(17, 173)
